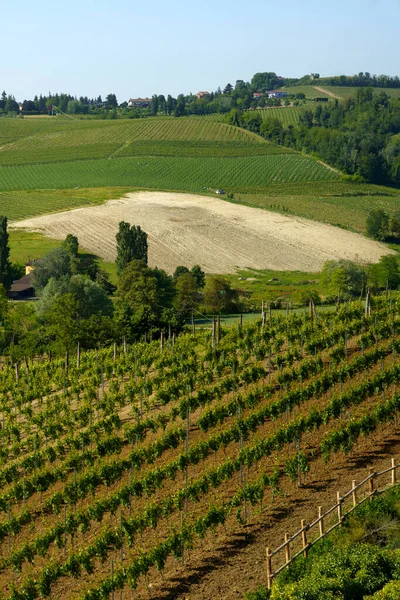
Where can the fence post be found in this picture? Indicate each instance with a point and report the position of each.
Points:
(321, 522)
(371, 481)
(393, 471)
(354, 492)
(269, 568)
(287, 549)
(304, 537)
(339, 508)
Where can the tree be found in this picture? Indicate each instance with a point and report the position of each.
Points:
(154, 105)
(228, 89)
(385, 273)
(5, 266)
(219, 296)
(180, 270)
(111, 101)
(56, 264)
(90, 297)
(343, 277)
(180, 106)
(261, 82)
(131, 245)
(199, 275)
(138, 292)
(71, 245)
(186, 294)
(378, 224)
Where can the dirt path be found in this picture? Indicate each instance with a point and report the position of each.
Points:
(221, 236)
(327, 92)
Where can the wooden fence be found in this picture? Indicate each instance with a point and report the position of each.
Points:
(308, 534)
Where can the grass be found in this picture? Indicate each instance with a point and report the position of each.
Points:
(308, 90)
(29, 245)
(339, 203)
(24, 204)
(349, 92)
(270, 285)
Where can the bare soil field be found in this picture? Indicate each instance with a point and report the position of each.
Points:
(220, 236)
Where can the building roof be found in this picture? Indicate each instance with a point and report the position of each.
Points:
(139, 99)
(203, 94)
(21, 285)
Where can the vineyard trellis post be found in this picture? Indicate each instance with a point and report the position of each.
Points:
(263, 313)
(78, 356)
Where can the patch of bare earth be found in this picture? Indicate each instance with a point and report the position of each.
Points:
(222, 237)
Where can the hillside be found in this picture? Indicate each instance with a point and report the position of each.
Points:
(49, 165)
(114, 470)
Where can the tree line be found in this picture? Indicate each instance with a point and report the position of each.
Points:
(76, 300)
(358, 135)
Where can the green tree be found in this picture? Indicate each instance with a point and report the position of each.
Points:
(180, 106)
(71, 245)
(186, 299)
(219, 297)
(262, 82)
(131, 245)
(199, 275)
(343, 277)
(5, 266)
(385, 273)
(180, 270)
(90, 297)
(378, 224)
(56, 264)
(138, 300)
(111, 101)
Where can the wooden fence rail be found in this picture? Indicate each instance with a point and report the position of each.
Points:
(288, 546)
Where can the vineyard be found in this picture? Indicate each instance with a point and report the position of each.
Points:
(56, 141)
(288, 115)
(190, 174)
(117, 464)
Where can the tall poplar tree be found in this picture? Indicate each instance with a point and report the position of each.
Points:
(5, 265)
(131, 245)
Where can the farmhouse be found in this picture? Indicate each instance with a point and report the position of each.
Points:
(22, 289)
(275, 94)
(202, 94)
(139, 102)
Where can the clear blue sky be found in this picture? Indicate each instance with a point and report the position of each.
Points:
(134, 48)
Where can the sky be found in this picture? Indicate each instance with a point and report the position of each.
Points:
(137, 49)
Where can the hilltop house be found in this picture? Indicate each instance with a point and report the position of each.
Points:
(202, 94)
(276, 94)
(139, 102)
